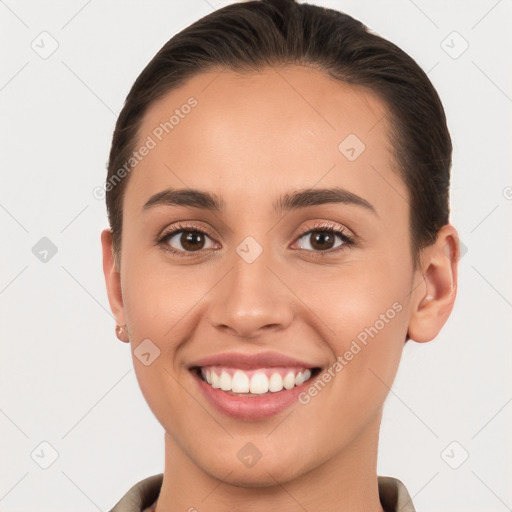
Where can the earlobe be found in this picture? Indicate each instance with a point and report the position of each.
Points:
(435, 290)
(112, 279)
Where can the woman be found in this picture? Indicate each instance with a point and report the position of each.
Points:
(277, 194)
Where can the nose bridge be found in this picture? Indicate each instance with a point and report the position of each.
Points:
(250, 296)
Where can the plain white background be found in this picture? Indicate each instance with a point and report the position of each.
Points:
(65, 379)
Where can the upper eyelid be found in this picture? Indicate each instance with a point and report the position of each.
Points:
(339, 230)
(327, 225)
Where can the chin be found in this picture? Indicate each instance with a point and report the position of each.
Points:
(263, 476)
(272, 468)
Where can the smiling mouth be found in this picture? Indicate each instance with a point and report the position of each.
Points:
(256, 382)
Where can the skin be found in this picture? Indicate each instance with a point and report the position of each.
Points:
(250, 139)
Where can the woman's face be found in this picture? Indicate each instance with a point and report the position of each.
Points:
(320, 279)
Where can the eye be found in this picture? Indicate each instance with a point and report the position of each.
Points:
(183, 239)
(325, 238)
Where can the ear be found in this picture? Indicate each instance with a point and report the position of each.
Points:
(112, 279)
(435, 286)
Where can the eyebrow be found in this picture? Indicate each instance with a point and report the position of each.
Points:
(291, 201)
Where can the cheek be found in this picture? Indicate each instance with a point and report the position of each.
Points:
(159, 302)
(365, 308)
(376, 323)
(361, 299)
(157, 298)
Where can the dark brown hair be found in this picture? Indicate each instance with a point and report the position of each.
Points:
(250, 36)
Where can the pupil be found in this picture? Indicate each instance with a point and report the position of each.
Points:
(322, 237)
(190, 239)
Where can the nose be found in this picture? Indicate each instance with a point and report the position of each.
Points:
(251, 300)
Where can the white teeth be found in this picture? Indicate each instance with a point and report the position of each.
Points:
(225, 381)
(302, 377)
(215, 380)
(240, 383)
(275, 383)
(289, 380)
(258, 384)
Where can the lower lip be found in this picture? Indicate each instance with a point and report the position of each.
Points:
(250, 407)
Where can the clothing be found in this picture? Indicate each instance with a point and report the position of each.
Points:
(142, 496)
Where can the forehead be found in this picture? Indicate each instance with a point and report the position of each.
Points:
(238, 135)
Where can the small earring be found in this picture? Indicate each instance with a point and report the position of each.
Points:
(120, 331)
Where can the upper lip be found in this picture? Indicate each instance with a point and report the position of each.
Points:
(251, 361)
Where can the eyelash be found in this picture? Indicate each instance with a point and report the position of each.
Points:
(324, 227)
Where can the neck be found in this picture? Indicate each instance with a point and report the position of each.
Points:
(347, 482)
